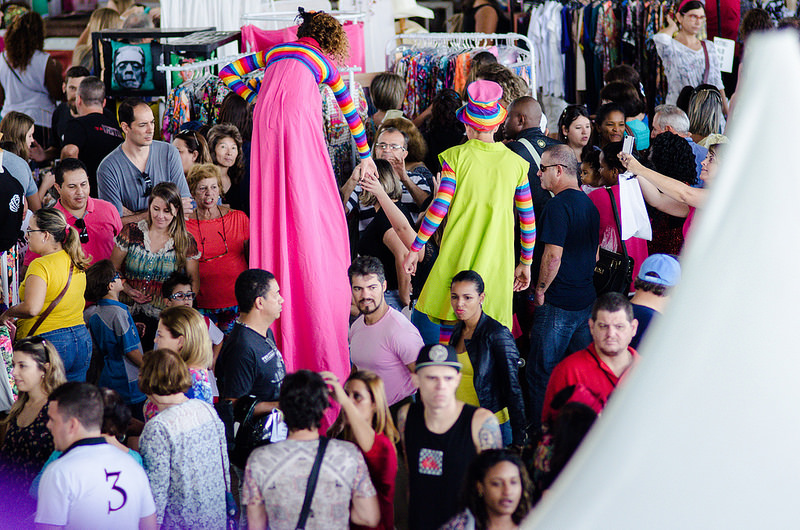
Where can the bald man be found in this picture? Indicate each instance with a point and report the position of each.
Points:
(529, 142)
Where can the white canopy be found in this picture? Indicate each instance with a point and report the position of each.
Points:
(706, 431)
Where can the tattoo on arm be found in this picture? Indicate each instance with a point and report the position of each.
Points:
(489, 436)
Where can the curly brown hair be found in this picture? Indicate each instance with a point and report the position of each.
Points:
(23, 38)
(514, 87)
(327, 31)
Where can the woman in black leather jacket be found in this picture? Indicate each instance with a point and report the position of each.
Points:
(490, 359)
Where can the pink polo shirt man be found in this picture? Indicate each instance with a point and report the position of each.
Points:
(102, 225)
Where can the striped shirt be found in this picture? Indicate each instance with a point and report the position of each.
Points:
(324, 71)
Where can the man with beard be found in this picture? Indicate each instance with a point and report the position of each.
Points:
(381, 339)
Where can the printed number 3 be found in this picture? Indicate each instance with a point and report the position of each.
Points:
(114, 486)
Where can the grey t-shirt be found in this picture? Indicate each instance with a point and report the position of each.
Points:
(20, 170)
(122, 184)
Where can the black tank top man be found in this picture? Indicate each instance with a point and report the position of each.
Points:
(437, 465)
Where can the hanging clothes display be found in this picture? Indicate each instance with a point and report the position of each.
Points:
(576, 43)
(431, 62)
(9, 277)
(8, 391)
(198, 99)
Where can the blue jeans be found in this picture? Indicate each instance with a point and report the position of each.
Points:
(555, 333)
(74, 345)
(505, 430)
(393, 299)
(428, 329)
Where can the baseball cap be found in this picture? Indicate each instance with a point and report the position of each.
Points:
(438, 355)
(661, 269)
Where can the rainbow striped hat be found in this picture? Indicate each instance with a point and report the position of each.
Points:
(483, 110)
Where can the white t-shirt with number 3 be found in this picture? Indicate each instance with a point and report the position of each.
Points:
(94, 486)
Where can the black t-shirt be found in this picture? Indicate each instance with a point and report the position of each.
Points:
(250, 364)
(503, 23)
(370, 243)
(540, 142)
(95, 135)
(61, 116)
(644, 315)
(571, 221)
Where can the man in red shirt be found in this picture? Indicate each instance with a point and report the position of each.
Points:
(605, 362)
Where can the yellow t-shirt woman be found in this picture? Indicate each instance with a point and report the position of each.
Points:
(54, 270)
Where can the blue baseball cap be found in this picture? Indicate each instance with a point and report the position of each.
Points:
(661, 269)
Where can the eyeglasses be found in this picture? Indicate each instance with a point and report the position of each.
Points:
(203, 258)
(80, 224)
(543, 168)
(698, 18)
(189, 295)
(31, 230)
(148, 184)
(392, 147)
(116, 277)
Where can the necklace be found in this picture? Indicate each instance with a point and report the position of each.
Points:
(203, 258)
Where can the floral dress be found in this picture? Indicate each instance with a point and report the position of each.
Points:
(22, 455)
(146, 270)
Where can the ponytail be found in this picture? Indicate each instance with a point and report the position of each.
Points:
(72, 246)
(54, 222)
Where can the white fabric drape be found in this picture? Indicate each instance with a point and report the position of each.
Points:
(703, 433)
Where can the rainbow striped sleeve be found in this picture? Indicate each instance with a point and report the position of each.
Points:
(325, 71)
(527, 222)
(232, 74)
(345, 101)
(438, 208)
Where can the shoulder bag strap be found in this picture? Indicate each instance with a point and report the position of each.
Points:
(12, 70)
(708, 64)
(534, 153)
(616, 220)
(312, 483)
(54, 303)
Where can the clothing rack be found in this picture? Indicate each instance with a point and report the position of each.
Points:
(201, 65)
(465, 40)
(198, 65)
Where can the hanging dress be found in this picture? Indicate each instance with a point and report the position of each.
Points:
(297, 223)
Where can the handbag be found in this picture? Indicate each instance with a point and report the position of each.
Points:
(613, 272)
(254, 431)
(312, 484)
(708, 63)
(53, 304)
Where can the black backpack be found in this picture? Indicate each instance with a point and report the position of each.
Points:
(11, 210)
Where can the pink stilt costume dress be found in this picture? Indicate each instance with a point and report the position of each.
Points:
(297, 223)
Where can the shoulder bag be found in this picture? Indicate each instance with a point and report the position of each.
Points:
(312, 483)
(54, 303)
(613, 272)
(708, 63)
(231, 508)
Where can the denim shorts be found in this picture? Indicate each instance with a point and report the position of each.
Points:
(74, 345)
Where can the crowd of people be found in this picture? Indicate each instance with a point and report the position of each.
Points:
(433, 319)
